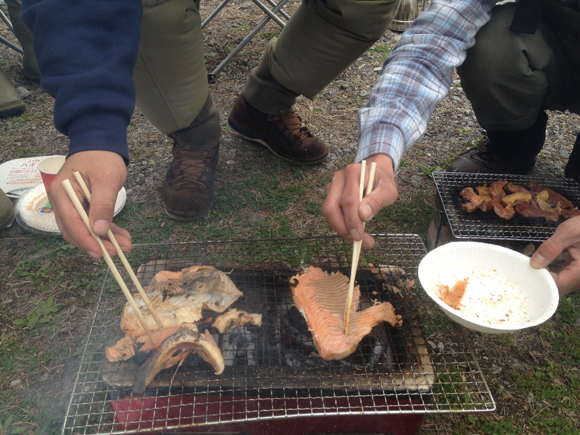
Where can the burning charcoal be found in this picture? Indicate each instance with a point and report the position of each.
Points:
(239, 347)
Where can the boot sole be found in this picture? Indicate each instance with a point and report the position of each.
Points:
(188, 218)
(12, 112)
(246, 134)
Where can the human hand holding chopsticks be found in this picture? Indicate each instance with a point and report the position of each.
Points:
(105, 173)
(344, 210)
(85, 218)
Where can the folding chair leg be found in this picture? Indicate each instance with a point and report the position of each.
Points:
(214, 13)
(6, 20)
(269, 12)
(212, 76)
(11, 45)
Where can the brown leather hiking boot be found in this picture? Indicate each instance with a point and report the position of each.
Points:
(189, 183)
(285, 135)
(483, 159)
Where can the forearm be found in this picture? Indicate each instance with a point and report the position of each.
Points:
(417, 76)
(86, 51)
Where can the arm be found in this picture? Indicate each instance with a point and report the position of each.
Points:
(86, 51)
(565, 238)
(416, 77)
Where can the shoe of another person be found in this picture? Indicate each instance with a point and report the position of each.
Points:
(483, 159)
(10, 102)
(6, 211)
(285, 135)
(572, 169)
(189, 182)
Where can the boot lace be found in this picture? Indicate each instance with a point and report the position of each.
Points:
(191, 168)
(292, 126)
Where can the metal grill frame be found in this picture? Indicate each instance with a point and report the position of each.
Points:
(432, 381)
(487, 225)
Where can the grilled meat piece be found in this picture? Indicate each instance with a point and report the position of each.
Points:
(553, 197)
(503, 212)
(533, 211)
(321, 299)
(487, 200)
(496, 190)
(510, 200)
(568, 213)
(472, 200)
(514, 188)
(234, 318)
(174, 350)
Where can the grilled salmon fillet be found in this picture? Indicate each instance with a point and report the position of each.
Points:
(321, 298)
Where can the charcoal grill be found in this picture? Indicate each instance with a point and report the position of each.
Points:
(274, 381)
(487, 225)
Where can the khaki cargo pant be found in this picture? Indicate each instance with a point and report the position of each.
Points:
(510, 77)
(321, 39)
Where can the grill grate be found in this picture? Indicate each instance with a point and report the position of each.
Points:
(489, 226)
(272, 371)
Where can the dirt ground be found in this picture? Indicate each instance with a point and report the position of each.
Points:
(333, 117)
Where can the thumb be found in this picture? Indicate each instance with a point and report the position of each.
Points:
(383, 195)
(102, 208)
(547, 252)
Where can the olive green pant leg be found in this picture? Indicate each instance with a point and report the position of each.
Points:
(321, 39)
(24, 36)
(170, 75)
(509, 77)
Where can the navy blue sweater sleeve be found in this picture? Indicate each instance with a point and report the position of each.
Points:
(86, 51)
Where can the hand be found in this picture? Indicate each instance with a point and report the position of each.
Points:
(566, 237)
(104, 173)
(342, 208)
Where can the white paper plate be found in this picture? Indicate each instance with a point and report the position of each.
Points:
(19, 175)
(504, 293)
(34, 212)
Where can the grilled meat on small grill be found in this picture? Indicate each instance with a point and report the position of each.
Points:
(472, 200)
(507, 199)
(503, 212)
(553, 197)
(510, 200)
(321, 299)
(514, 188)
(174, 350)
(234, 318)
(485, 195)
(533, 211)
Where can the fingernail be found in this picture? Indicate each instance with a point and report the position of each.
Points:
(93, 254)
(366, 212)
(538, 261)
(355, 235)
(101, 227)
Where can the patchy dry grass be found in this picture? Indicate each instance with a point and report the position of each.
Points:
(48, 289)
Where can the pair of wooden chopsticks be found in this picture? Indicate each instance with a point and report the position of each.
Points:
(83, 214)
(357, 245)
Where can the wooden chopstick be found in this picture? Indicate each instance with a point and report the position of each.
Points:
(121, 255)
(357, 245)
(83, 214)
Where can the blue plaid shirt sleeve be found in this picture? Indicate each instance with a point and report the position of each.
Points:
(417, 76)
